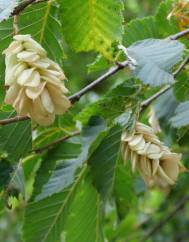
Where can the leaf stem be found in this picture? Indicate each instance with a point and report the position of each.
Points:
(75, 97)
(13, 120)
(179, 35)
(48, 146)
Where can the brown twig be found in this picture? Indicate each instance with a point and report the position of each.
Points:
(179, 35)
(148, 101)
(48, 146)
(22, 6)
(75, 97)
(13, 120)
(156, 228)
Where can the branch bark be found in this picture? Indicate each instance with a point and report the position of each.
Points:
(148, 101)
(22, 6)
(48, 146)
(179, 34)
(13, 120)
(75, 97)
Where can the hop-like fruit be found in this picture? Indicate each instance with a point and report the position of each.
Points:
(35, 83)
(155, 162)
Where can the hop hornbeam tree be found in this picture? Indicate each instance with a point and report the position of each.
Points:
(84, 86)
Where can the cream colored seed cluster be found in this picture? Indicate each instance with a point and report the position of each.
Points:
(35, 82)
(156, 163)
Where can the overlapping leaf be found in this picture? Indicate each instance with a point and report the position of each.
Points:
(124, 189)
(52, 177)
(12, 179)
(5, 172)
(166, 26)
(99, 64)
(17, 181)
(103, 161)
(64, 151)
(69, 160)
(48, 215)
(84, 221)
(92, 25)
(5, 39)
(116, 102)
(181, 117)
(140, 29)
(45, 219)
(165, 106)
(155, 59)
(15, 138)
(63, 125)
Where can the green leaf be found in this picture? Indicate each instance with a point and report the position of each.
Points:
(99, 64)
(70, 161)
(140, 29)
(30, 165)
(124, 189)
(103, 161)
(43, 174)
(165, 106)
(66, 122)
(17, 181)
(166, 27)
(45, 219)
(46, 136)
(117, 101)
(63, 125)
(11, 177)
(181, 87)
(5, 39)
(155, 59)
(181, 117)
(5, 172)
(54, 209)
(65, 150)
(92, 24)
(15, 138)
(84, 221)
(47, 178)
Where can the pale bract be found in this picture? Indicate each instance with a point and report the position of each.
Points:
(35, 83)
(155, 162)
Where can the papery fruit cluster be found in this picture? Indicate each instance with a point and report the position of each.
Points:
(155, 162)
(35, 83)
